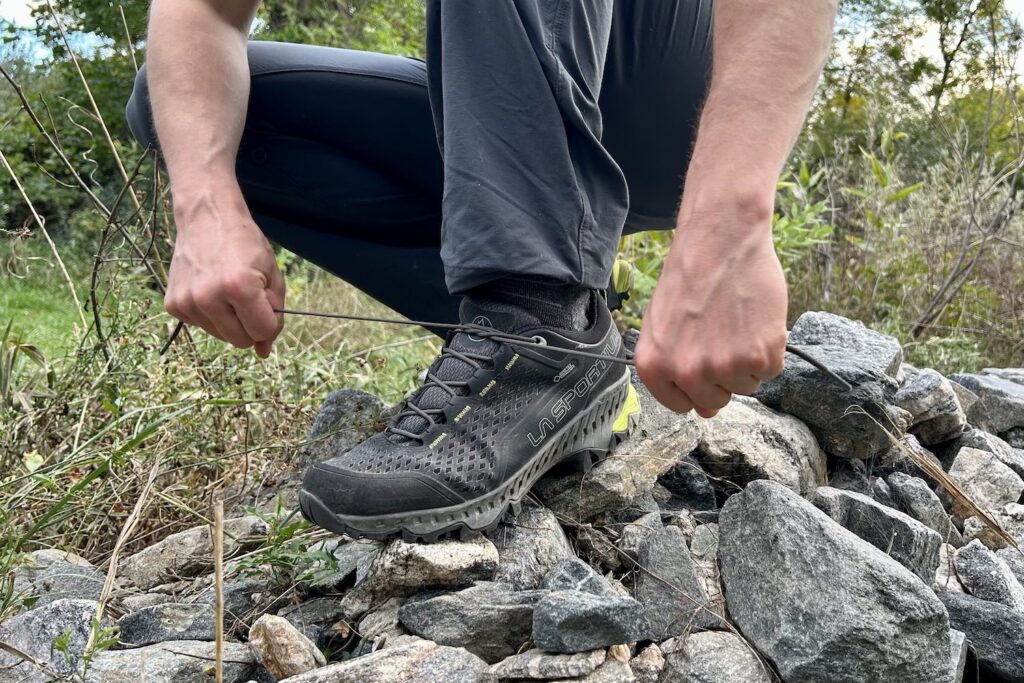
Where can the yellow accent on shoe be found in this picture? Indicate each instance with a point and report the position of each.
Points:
(629, 414)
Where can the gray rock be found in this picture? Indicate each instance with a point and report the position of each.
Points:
(569, 621)
(945, 574)
(984, 575)
(933, 404)
(821, 603)
(633, 534)
(881, 493)
(1010, 517)
(814, 328)
(347, 418)
(184, 661)
(1014, 437)
(315, 618)
(380, 626)
(851, 475)
(1015, 375)
(34, 633)
(995, 631)
(51, 575)
(689, 486)
(910, 458)
(648, 664)
(402, 569)
(612, 671)
(539, 664)
(1014, 559)
(986, 480)
(900, 536)
(348, 557)
(487, 619)
(704, 550)
(913, 496)
(983, 441)
(669, 586)
(529, 545)
(407, 660)
(959, 648)
(281, 649)
(165, 622)
(747, 440)
(1000, 405)
(576, 575)
(134, 602)
(712, 657)
(190, 552)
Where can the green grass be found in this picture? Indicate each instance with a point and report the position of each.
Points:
(41, 309)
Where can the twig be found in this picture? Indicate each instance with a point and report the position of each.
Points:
(218, 589)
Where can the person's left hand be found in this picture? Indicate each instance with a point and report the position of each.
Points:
(716, 325)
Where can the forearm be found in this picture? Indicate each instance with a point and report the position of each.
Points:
(199, 86)
(767, 60)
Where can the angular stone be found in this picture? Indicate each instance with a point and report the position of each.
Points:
(539, 664)
(1010, 517)
(983, 441)
(347, 418)
(487, 619)
(576, 575)
(1014, 437)
(669, 586)
(402, 569)
(900, 536)
(986, 480)
(189, 553)
(1014, 559)
(945, 574)
(281, 649)
(380, 626)
(1015, 375)
(819, 327)
(1000, 405)
(569, 621)
(704, 549)
(50, 575)
(633, 534)
(612, 671)
(933, 404)
(984, 575)
(747, 440)
(995, 631)
(529, 545)
(168, 621)
(958, 651)
(314, 617)
(348, 557)
(183, 661)
(712, 657)
(821, 603)
(913, 496)
(648, 664)
(35, 632)
(689, 486)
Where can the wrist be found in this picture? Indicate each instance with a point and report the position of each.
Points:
(208, 196)
(729, 209)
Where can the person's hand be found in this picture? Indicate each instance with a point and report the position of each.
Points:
(223, 276)
(716, 325)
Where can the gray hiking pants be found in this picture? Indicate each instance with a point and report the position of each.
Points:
(534, 133)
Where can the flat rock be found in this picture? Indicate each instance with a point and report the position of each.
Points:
(190, 552)
(183, 661)
(936, 414)
(539, 664)
(820, 327)
(900, 536)
(632, 534)
(169, 621)
(34, 633)
(347, 418)
(985, 575)
(569, 621)
(529, 545)
(985, 479)
(913, 496)
(995, 631)
(712, 657)
(1010, 517)
(704, 550)
(402, 569)
(821, 603)
(648, 664)
(747, 440)
(407, 660)
(50, 575)
(1009, 374)
(487, 619)
(347, 557)
(282, 649)
(959, 648)
(574, 574)
(983, 441)
(1000, 405)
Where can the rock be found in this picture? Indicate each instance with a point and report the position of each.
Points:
(612, 671)
(933, 405)
(380, 626)
(1014, 560)
(648, 664)
(407, 660)
(986, 576)
(959, 648)
(487, 619)
(851, 475)
(945, 574)
(1000, 405)
(34, 633)
(995, 631)
(669, 586)
(983, 441)
(881, 352)
(881, 493)
(689, 486)
(183, 661)
(1014, 437)
(634, 533)
(1010, 517)
(315, 618)
(538, 664)
(704, 549)
(569, 621)
(747, 440)
(348, 557)
(135, 602)
(909, 458)
(986, 480)
(168, 621)
(900, 536)
(528, 546)
(51, 575)
(661, 439)
(189, 553)
(1015, 375)
(914, 497)
(576, 575)
(347, 418)
(402, 569)
(819, 602)
(712, 657)
(281, 649)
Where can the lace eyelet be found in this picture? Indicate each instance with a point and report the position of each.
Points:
(540, 340)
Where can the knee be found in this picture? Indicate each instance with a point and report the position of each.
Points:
(139, 112)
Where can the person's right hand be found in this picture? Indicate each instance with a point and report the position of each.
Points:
(223, 276)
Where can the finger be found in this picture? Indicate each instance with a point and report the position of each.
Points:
(707, 396)
(670, 396)
(197, 318)
(262, 348)
(254, 312)
(231, 328)
(742, 385)
(276, 295)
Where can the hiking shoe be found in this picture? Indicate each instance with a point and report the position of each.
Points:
(491, 418)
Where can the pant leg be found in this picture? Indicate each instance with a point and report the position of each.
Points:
(528, 187)
(339, 164)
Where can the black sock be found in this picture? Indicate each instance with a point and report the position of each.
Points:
(534, 301)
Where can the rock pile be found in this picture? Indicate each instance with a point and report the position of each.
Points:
(798, 536)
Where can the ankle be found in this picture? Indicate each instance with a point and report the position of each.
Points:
(539, 301)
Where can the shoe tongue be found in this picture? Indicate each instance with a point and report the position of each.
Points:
(500, 316)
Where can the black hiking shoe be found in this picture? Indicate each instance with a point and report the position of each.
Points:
(491, 418)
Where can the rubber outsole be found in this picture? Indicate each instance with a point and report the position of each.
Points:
(583, 441)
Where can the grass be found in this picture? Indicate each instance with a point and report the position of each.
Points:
(40, 309)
